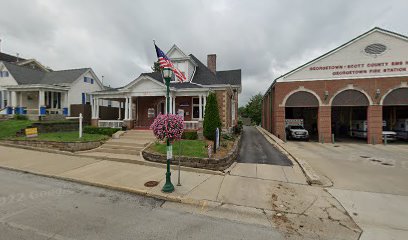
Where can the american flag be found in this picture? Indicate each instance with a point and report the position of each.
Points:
(165, 62)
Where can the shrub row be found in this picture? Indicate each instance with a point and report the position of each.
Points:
(100, 130)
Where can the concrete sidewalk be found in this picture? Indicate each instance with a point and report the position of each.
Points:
(288, 204)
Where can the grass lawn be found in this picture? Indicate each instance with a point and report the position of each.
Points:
(10, 127)
(66, 137)
(190, 148)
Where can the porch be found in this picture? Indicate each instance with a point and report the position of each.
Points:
(38, 101)
(139, 112)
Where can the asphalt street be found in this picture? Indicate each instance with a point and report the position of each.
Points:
(256, 149)
(34, 207)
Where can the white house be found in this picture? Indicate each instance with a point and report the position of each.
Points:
(144, 98)
(29, 88)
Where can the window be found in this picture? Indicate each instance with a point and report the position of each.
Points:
(109, 103)
(150, 113)
(4, 74)
(196, 108)
(88, 80)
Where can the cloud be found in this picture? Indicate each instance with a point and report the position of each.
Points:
(263, 38)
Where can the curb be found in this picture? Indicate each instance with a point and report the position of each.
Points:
(311, 176)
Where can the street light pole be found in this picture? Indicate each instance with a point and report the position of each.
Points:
(168, 186)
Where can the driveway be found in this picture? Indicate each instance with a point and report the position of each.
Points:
(256, 149)
(370, 181)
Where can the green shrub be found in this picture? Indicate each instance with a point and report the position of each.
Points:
(212, 119)
(228, 137)
(189, 135)
(100, 130)
(20, 117)
(238, 127)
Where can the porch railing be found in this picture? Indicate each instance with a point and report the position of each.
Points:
(191, 125)
(110, 123)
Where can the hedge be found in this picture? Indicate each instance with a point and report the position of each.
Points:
(100, 130)
(190, 135)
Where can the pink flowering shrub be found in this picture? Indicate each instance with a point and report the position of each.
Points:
(168, 126)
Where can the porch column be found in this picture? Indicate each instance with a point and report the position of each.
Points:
(64, 104)
(120, 110)
(97, 108)
(126, 109)
(52, 100)
(14, 101)
(41, 98)
(130, 109)
(200, 108)
(374, 124)
(174, 105)
(205, 104)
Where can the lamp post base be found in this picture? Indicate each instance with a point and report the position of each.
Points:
(168, 186)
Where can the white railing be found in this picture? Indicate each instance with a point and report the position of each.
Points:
(110, 123)
(191, 125)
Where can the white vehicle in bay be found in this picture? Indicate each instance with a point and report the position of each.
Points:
(359, 129)
(295, 130)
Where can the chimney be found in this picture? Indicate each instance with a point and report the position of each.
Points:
(212, 62)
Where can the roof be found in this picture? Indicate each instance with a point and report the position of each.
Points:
(232, 77)
(24, 75)
(9, 58)
(336, 49)
(205, 76)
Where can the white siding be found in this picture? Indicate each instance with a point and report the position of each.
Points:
(79, 87)
(354, 55)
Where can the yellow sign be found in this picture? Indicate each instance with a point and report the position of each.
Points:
(31, 132)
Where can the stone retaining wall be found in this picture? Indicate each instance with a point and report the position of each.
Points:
(195, 162)
(63, 146)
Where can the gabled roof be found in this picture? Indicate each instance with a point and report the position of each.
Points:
(24, 75)
(34, 63)
(9, 58)
(375, 29)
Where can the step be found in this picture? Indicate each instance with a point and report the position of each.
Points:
(121, 146)
(129, 142)
(113, 157)
(117, 151)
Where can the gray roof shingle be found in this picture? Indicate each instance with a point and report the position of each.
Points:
(24, 75)
(9, 58)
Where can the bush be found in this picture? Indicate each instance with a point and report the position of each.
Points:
(100, 130)
(228, 137)
(191, 135)
(238, 127)
(20, 117)
(212, 119)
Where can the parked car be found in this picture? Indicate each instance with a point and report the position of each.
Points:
(297, 132)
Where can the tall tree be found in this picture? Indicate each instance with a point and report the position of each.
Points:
(212, 118)
(253, 109)
(156, 67)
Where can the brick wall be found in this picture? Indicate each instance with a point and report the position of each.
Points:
(369, 85)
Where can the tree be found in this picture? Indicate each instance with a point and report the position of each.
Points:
(253, 109)
(212, 119)
(156, 67)
(242, 111)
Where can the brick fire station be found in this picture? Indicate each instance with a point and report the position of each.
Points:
(364, 80)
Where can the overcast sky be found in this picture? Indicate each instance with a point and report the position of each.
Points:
(263, 38)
